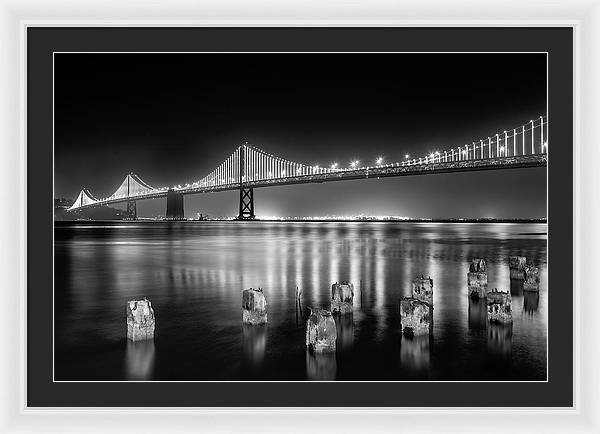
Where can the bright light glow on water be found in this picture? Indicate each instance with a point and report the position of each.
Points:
(193, 272)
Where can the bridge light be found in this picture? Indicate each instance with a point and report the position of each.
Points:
(354, 164)
(379, 160)
(334, 166)
(431, 155)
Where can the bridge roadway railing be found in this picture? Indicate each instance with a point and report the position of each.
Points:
(514, 162)
(537, 160)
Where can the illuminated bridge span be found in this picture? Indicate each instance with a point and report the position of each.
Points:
(249, 167)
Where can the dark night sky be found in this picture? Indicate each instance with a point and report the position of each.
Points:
(172, 118)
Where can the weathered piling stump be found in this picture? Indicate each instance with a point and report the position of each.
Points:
(422, 289)
(321, 332)
(477, 279)
(342, 297)
(517, 267)
(140, 320)
(254, 306)
(499, 309)
(415, 316)
(532, 278)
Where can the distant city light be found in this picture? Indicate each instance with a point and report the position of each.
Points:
(431, 155)
(354, 164)
(334, 166)
(379, 160)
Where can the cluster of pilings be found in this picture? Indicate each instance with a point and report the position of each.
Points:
(487, 308)
(523, 277)
(492, 309)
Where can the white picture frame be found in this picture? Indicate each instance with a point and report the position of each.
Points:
(15, 16)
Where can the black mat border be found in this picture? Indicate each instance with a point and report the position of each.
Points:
(43, 41)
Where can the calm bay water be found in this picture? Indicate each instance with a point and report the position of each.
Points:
(193, 272)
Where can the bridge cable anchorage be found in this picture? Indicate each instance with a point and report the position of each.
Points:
(250, 166)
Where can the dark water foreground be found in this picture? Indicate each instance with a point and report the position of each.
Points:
(193, 272)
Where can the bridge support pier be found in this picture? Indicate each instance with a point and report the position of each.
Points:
(246, 204)
(131, 210)
(175, 206)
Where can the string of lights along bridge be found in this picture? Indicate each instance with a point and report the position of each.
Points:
(250, 167)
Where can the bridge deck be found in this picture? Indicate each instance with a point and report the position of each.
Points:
(515, 162)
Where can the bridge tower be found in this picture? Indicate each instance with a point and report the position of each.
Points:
(131, 204)
(174, 205)
(246, 193)
(131, 210)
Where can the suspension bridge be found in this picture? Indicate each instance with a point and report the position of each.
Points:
(250, 167)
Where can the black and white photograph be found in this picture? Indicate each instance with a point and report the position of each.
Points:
(300, 217)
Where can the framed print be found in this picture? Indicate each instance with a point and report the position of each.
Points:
(304, 261)
(283, 220)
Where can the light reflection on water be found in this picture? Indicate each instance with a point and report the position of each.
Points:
(193, 272)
